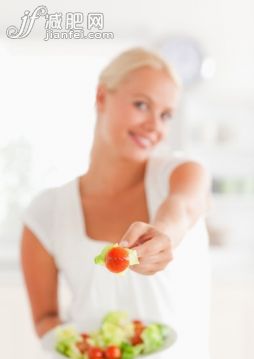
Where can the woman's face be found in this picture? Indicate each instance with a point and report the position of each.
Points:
(135, 118)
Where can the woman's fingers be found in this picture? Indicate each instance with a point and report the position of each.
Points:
(134, 232)
(149, 268)
(163, 256)
(150, 259)
(153, 246)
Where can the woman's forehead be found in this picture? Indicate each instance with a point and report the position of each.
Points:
(147, 80)
(145, 74)
(157, 88)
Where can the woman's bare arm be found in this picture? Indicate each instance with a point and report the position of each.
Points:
(187, 200)
(41, 278)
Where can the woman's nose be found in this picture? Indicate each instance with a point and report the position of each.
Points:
(152, 122)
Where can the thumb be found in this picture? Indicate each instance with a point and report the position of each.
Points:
(133, 234)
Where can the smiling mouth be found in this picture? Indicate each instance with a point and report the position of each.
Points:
(141, 141)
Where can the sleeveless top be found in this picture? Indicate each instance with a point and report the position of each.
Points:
(179, 295)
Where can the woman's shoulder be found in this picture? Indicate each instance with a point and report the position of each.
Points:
(174, 156)
(162, 164)
(42, 210)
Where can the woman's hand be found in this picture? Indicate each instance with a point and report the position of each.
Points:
(153, 247)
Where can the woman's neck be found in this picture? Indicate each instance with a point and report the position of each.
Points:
(109, 177)
(109, 180)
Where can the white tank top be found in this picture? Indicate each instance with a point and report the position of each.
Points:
(178, 295)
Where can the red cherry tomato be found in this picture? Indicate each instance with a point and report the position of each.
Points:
(95, 353)
(117, 259)
(113, 352)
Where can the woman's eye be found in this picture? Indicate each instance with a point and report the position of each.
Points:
(166, 116)
(141, 105)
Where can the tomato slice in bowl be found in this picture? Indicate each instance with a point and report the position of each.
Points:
(95, 353)
(113, 352)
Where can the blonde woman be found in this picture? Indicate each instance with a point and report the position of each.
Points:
(128, 193)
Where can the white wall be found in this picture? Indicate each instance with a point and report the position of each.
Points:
(225, 28)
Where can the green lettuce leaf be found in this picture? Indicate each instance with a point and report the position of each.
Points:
(152, 338)
(66, 342)
(129, 351)
(116, 328)
(100, 259)
(120, 318)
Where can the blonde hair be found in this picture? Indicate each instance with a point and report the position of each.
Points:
(133, 59)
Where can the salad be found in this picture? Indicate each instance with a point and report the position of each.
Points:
(117, 259)
(117, 338)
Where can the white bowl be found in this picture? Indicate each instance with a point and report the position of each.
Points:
(48, 342)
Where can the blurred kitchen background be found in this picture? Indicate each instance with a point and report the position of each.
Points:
(46, 127)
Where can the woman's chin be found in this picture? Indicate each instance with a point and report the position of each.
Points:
(138, 156)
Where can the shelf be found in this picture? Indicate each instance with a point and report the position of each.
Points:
(217, 151)
(233, 199)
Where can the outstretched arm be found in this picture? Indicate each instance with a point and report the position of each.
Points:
(187, 200)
